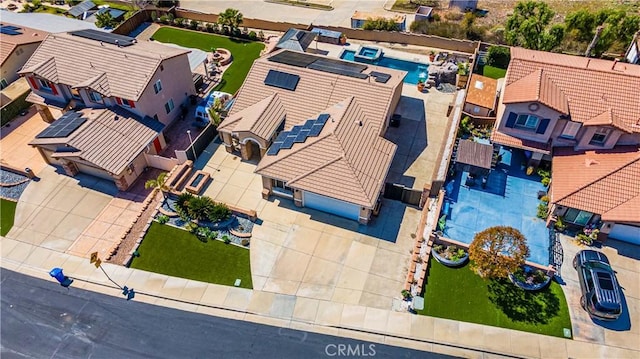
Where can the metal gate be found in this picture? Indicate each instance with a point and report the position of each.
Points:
(401, 193)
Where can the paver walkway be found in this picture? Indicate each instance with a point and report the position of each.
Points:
(320, 316)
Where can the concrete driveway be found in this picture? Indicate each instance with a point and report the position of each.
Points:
(624, 332)
(14, 141)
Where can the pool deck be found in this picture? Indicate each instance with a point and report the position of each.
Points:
(509, 199)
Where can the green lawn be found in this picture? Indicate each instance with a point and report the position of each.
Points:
(7, 215)
(460, 294)
(243, 52)
(176, 252)
(493, 72)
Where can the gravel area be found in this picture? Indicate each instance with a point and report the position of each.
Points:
(12, 192)
(129, 242)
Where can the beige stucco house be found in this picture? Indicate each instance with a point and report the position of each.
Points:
(481, 97)
(97, 70)
(573, 110)
(316, 124)
(17, 45)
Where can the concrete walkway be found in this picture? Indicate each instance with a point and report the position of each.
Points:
(319, 316)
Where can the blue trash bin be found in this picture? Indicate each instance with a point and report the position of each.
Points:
(58, 275)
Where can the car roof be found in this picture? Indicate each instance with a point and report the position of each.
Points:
(593, 256)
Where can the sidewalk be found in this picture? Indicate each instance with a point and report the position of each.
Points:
(358, 322)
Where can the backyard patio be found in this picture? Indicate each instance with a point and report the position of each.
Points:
(509, 198)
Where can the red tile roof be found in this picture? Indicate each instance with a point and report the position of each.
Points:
(482, 91)
(591, 87)
(602, 182)
(511, 141)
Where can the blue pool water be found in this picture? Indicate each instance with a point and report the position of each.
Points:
(368, 52)
(415, 70)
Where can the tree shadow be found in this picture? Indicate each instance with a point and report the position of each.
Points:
(524, 306)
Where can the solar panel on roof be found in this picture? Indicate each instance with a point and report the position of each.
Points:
(380, 76)
(64, 126)
(337, 71)
(282, 80)
(344, 65)
(307, 125)
(302, 136)
(293, 58)
(10, 30)
(274, 149)
(102, 36)
(288, 143)
(315, 130)
(281, 137)
(322, 119)
(295, 130)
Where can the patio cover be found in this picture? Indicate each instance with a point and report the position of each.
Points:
(474, 154)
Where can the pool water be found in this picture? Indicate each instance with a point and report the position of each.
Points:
(415, 71)
(367, 52)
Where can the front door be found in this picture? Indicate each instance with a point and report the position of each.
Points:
(156, 145)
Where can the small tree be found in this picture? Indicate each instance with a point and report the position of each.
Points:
(498, 56)
(159, 183)
(200, 207)
(214, 113)
(498, 251)
(105, 20)
(528, 26)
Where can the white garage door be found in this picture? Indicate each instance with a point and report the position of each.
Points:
(625, 233)
(330, 205)
(94, 171)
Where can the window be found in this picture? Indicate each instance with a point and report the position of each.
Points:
(588, 279)
(155, 117)
(577, 216)
(75, 93)
(3, 84)
(44, 84)
(124, 102)
(281, 185)
(161, 67)
(600, 137)
(476, 109)
(570, 130)
(168, 106)
(19, 51)
(528, 122)
(95, 97)
(157, 87)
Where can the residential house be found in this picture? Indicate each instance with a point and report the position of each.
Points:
(116, 14)
(359, 18)
(90, 68)
(481, 97)
(316, 124)
(46, 22)
(553, 103)
(82, 10)
(110, 143)
(295, 40)
(98, 70)
(17, 45)
(633, 52)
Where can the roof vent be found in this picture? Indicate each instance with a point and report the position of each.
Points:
(116, 118)
(590, 162)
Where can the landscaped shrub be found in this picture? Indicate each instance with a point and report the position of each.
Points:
(544, 199)
(183, 199)
(191, 227)
(200, 208)
(226, 239)
(164, 19)
(560, 225)
(543, 210)
(543, 173)
(499, 56)
(219, 212)
(154, 16)
(162, 219)
(182, 213)
(203, 233)
(545, 181)
(406, 294)
(253, 36)
(194, 24)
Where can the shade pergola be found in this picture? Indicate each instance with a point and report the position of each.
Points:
(473, 156)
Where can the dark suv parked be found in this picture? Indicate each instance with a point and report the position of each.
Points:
(600, 289)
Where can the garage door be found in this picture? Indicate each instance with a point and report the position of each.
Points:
(623, 232)
(330, 205)
(94, 171)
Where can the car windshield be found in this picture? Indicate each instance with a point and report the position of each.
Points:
(605, 281)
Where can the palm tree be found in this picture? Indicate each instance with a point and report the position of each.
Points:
(214, 112)
(159, 183)
(230, 18)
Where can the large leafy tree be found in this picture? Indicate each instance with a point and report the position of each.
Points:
(498, 251)
(618, 28)
(230, 19)
(529, 27)
(380, 24)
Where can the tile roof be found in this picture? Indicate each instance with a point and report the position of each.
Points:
(507, 140)
(603, 182)
(591, 87)
(261, 119)
(482, 91)
(110, 138)
(76, 61)
(10, 42)
(349, 160)
(318, 90)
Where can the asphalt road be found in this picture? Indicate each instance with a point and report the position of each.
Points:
(40, 319)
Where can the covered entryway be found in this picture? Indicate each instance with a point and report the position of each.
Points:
(626, 233)
(331, 205)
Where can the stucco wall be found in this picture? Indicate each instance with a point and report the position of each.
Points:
(482, 111)
(15, 62)
(521, 109)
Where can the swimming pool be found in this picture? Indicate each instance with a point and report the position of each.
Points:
(415, 71)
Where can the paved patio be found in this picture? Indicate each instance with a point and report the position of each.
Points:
(509, 199)
(14, 141)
